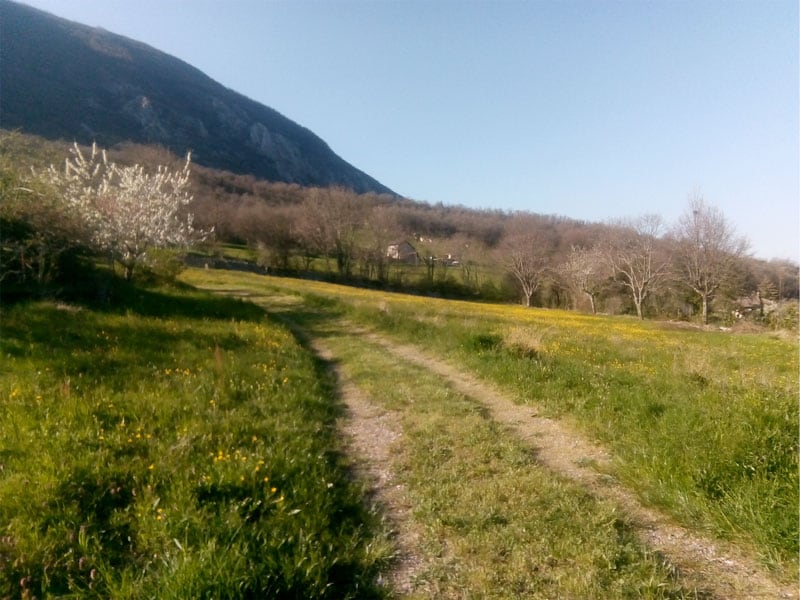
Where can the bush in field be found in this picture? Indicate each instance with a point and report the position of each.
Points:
(786, 316)
(126, 209)
(41, 237)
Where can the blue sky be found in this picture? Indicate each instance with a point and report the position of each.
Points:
(591, 110)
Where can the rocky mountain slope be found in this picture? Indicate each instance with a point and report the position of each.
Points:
(64, 80)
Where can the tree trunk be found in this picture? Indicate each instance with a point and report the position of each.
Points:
(129, 266)
(638, 304)
(591, 302)
(705, 309)
(40, 275)
(429, 265)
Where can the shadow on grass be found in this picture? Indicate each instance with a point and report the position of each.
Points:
(174, 300)
(78, 338)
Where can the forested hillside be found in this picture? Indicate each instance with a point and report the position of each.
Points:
(696, 269)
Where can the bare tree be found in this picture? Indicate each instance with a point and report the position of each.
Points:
(469, 252)
(430, 251)
(633, 254)
(381, 230)
(312, 231)
(524, 253)
(329, 225)
(586, 270)
(276, 236)
(708, 251)
(342, 215)
(784, 274)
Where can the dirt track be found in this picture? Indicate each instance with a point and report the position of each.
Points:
(712, 566)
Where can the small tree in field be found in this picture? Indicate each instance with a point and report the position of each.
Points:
(524, 257)
(708, 251)
(586, 272)
(127, 209)
(633, 254)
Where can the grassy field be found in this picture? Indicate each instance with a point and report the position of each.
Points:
(703, 424)
(492, 523)
(179, 446)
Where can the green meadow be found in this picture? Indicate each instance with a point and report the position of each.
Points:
(178, 444)
(703, 424)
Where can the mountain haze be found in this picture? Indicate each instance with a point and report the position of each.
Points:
(63, 80)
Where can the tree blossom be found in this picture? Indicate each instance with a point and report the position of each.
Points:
(127, 209)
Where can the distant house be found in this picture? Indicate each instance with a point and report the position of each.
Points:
(402, 251)
(450, 260)
(753, 305)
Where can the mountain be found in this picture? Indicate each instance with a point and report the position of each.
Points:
(63, 80)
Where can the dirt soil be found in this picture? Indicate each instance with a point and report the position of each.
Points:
(370, 433)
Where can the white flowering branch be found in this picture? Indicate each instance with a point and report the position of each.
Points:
(126, 209)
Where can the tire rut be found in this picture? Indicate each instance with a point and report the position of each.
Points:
(370, 433)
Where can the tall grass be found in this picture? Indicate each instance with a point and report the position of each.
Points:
(178, 446)
(702, 423)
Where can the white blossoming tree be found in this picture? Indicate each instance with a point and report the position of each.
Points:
(127, 210)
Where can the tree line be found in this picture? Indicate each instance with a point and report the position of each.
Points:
(696, 268)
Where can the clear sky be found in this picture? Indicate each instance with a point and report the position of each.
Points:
(589, 109)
